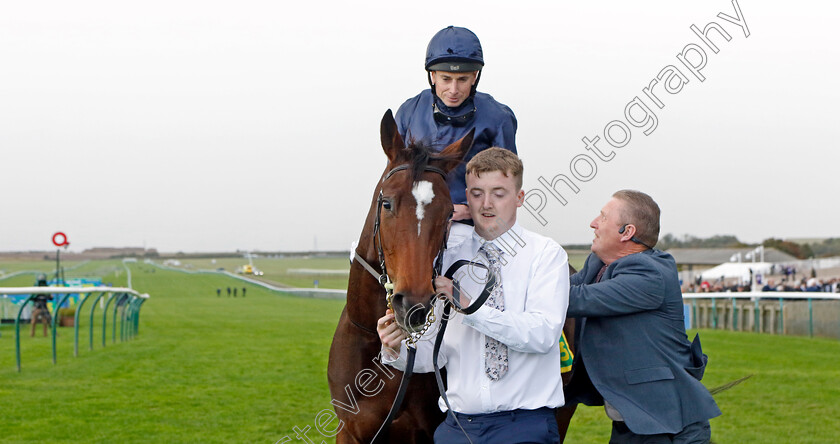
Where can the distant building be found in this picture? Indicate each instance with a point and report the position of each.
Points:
(701, 259)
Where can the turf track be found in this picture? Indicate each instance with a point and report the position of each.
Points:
(210, 369)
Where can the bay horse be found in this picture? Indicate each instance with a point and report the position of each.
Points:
(407, 223)
(404, 231)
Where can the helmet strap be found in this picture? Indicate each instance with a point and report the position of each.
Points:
(431, 84)
(475, 85)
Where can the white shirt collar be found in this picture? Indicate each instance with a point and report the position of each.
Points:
(512, 238)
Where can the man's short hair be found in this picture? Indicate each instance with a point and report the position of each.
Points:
(497, 159)
(641, 211)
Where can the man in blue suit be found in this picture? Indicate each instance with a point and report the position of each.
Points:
(633, 355)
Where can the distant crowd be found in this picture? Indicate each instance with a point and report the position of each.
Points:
(813, 284)
(787, 282)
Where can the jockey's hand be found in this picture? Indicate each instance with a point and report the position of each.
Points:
(460, 212)
(390, 334)
(444, 286)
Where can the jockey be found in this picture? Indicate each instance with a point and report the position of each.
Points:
(452, 107)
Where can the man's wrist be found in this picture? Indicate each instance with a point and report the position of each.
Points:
(389, 354)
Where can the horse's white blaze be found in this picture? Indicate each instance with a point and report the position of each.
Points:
(423, 194)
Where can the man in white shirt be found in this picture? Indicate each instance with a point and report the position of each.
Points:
(503, 361)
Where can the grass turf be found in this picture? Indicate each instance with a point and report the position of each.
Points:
(203, 369)
(210, 369)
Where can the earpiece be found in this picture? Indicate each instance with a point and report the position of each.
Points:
(624, 227)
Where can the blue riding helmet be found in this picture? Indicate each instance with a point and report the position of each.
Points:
(454, 49)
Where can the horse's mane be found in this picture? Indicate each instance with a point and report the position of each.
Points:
(418, 154)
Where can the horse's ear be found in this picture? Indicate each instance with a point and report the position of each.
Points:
(454, 154)
(392, 142)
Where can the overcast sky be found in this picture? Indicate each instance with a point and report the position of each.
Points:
(205, 126)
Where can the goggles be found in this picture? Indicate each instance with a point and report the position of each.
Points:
(460, 120)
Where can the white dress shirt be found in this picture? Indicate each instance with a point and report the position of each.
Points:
(535, 283)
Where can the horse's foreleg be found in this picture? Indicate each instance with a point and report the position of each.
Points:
(346, 438)
(407, 430)
(563, 415)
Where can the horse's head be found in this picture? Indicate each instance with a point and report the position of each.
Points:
(414, 217)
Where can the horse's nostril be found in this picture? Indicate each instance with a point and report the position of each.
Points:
(416, 317)
(409, 316)
(397, 299)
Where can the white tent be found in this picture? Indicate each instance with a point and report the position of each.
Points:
(740, 270)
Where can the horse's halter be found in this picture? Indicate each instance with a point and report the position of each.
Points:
(383, 277)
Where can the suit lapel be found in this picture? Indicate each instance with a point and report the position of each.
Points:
(590, 272)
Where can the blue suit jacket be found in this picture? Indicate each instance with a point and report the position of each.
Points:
(632, 347)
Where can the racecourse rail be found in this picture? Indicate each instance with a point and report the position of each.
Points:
(768, 312)
(745, 311)
(129, 319)
(322, 293)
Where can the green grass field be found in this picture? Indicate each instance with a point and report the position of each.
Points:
(210, 369)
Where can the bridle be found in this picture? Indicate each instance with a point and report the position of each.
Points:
(386, 282)
(383, 278)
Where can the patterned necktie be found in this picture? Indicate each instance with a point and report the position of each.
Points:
(495, 353)
(600, 273)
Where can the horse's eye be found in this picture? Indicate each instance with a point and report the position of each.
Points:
(386, 204)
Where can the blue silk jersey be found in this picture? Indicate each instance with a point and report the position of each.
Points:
(494, 123)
